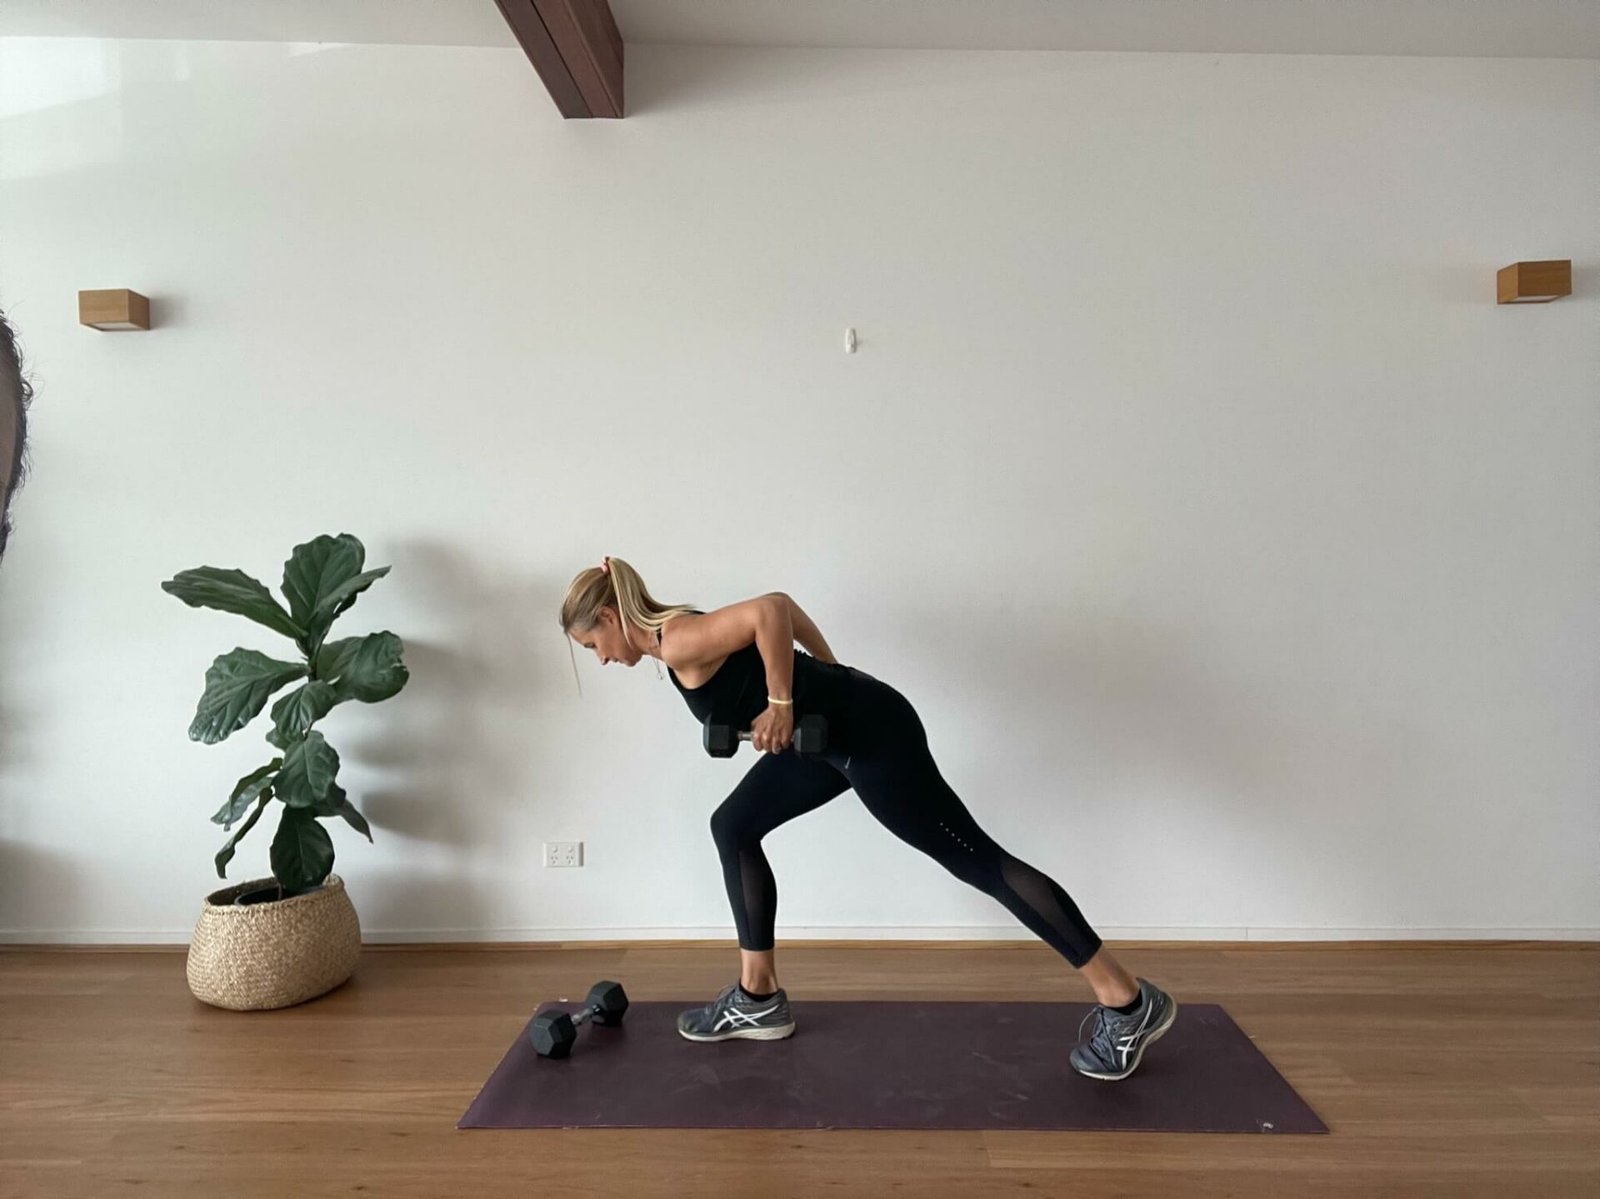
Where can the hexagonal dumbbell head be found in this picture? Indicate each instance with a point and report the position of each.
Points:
(720, 740)
(610, 999)
(811, 735)
(553, 1034)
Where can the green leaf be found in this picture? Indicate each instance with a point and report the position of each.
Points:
(225, 854)
(295, 713)
(317, 569)
(238, 686)
(309, 768)
(338, 804)
(367, 668)
(338, 601)
(245, 793)
(302, 852)
(333, 659)
(342, 596)
(233, 591)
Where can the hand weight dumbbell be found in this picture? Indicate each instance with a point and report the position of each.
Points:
(810, 737)
(554, 1033)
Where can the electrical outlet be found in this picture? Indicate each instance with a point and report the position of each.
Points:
(563, 853)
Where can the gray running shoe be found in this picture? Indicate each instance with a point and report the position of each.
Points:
(1117, 1042)
(734, 1014)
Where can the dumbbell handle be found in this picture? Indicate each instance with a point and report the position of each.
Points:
(586, 1015)
(809, 737)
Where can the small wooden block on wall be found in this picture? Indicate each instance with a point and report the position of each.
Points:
(113, 310)
(1535, 282)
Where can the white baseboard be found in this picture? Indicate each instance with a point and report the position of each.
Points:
(953, 932)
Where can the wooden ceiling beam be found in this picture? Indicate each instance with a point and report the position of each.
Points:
(576, 48)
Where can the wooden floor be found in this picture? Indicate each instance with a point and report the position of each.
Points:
(1442, 1070)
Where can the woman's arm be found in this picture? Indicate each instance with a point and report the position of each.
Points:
(778, 626)
(807, 633)
(775, 641)
(773, 621)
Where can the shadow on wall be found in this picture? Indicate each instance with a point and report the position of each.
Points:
(30, 877)
(1136, 697)
(710, 78)
(453, 747)
(36, 886)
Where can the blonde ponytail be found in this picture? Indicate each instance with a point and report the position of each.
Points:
(617, 585)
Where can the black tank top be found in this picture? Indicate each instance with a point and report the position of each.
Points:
(736, 692)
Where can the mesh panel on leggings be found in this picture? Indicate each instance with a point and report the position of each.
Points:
(760, 890)
(1053, 906)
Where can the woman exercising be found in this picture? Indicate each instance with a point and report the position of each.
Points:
(738, 666)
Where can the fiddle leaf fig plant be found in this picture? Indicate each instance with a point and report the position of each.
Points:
(321, 580)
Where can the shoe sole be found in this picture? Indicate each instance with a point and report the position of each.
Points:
(748, 1034)
(1155, 1035)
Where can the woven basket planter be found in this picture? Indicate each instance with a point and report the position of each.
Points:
(252, 957)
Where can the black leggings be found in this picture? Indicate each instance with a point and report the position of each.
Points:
(891, 769)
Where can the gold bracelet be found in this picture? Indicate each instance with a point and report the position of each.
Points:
(770, 700)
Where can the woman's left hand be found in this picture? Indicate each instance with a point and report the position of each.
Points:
(773, 729)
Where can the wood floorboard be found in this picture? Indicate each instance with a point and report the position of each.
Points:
(1440, 1069)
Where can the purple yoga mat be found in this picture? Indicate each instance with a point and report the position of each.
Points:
(892, 1065)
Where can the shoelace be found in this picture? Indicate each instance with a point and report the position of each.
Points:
(723, 994)
(1103, 1040)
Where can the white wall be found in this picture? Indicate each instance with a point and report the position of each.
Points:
(1239, 552)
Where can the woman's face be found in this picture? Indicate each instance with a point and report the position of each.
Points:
(607, 641)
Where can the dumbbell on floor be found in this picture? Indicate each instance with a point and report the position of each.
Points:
(554, 1033)
(810, 737)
